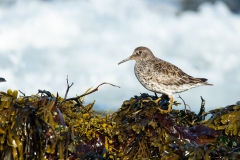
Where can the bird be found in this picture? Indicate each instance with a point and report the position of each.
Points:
(2, 79)
(160, 76)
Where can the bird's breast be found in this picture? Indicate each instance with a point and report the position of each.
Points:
(144, 73)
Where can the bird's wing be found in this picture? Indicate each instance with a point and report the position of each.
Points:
(170, 74)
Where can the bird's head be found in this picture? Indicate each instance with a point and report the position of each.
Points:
(139, 54)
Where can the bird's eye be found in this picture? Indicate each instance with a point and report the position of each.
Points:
(138, 53)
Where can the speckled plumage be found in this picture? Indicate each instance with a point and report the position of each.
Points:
(160, 76)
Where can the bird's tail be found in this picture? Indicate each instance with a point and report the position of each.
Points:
(204, 81)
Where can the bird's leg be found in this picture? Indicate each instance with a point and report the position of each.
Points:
(170, 103)
(158, 98)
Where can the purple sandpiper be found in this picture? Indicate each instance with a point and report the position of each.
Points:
(160, 76)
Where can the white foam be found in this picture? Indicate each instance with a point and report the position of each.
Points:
(43, 42)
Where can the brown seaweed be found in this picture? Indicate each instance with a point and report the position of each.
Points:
(45, 126)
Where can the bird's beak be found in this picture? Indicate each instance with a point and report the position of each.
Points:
(127, 59)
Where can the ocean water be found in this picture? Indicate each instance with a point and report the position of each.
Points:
(41, 42)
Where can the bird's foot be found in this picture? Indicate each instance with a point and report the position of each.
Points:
(162, 101)
(157, 100)
(162, 111)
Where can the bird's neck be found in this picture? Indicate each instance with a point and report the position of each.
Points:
(145, 59)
